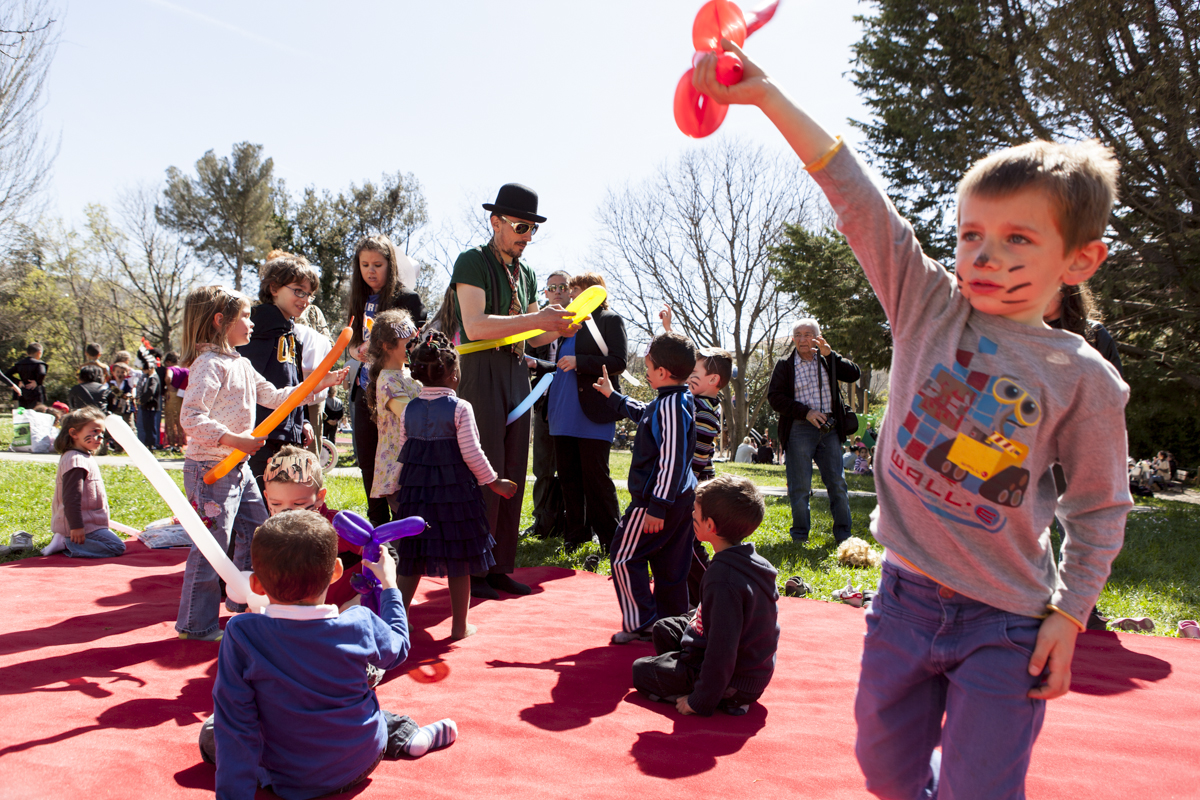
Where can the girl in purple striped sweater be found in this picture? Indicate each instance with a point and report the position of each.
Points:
(443, 468)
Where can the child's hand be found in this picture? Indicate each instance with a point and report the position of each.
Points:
(604, 385)
(653, 524)
(505, 489)
(681, 705)
(1055, 643)
(384, 568)
(750, 90)
(308, 435)
(247, 442)
(78, 536)
(333, 379)
(666, 317)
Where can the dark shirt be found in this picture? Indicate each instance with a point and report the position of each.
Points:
(25, 370)
(88, 394)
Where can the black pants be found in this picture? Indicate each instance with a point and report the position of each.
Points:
(673, 671)
(548, 509)
(588, 490)
(494, 382)
(366, 441)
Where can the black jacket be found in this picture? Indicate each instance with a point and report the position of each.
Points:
(589, 360)
(781, 392)
(149, 391)
(25, 370)
(739, 627)
(88, 394)
(275, 352)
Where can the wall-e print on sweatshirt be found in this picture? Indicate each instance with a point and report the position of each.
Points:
(961, 438)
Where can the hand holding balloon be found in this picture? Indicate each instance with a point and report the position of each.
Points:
(384, 569)
(358, 531)
(717, 34)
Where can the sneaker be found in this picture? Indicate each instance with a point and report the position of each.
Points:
(625, 637)
(796, 587)
(1132, 624)
(21, 540)
(592, 562)
(849, 595)
(1096, 621)
(215, 636)
(374, 675)
(1188, 629)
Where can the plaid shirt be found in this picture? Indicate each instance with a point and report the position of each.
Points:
(809, 384)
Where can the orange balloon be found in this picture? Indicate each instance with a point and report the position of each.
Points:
(697, 115)
(715, 20)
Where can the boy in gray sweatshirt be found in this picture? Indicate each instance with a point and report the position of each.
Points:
(973, 618)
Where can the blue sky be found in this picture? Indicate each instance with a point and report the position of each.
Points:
(570, 97)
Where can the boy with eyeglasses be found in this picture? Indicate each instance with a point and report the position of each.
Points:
(288, 283)
(974, 623)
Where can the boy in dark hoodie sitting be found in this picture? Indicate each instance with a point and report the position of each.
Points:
(723, 654)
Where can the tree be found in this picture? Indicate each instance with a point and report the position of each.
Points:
(225, 212)
(950, 81)
(152, 261)
(820, 272)
(325, 228)
(28, 41)
(698, 237)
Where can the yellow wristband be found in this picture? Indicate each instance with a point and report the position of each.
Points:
(1078, 624)
(820, 163)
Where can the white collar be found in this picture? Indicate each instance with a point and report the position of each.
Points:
(430, 392)
(277, 611)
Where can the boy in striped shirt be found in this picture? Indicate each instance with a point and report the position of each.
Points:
(656, 530)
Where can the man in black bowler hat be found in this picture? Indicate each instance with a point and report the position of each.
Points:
(495, 295)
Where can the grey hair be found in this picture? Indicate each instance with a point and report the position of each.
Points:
(807, 322)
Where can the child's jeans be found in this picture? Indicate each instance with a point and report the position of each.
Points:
(235, 506)
(101, 543)
(927, 651)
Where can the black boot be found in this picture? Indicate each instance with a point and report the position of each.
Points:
(505, 583)
(481, 590)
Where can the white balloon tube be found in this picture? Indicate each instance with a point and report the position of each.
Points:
(237, 584)
(128, 530)
(603, 345)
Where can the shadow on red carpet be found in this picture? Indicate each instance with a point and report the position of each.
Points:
(100, 699)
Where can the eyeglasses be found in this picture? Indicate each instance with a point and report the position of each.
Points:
(557, 289)
(301, 294)
(521, 228)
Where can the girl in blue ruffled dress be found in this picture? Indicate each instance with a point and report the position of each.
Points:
(443, 468)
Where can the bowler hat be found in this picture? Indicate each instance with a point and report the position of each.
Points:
(516, 200)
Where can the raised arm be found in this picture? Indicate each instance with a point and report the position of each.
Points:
(803, 133)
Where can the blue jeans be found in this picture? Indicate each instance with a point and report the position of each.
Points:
(101, 543)
(804, 445)
(149, 422)
(926, 653)
(235, 506)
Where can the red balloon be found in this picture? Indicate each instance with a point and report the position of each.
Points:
(696, 115)
(729, 69)
(715, 20)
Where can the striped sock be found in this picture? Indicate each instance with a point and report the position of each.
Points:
(430, 737)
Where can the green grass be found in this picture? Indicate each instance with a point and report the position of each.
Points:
(1157, 574)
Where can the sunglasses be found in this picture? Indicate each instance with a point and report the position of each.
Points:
(520, 228)
(562, 287)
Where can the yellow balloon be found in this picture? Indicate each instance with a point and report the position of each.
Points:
(587, 302)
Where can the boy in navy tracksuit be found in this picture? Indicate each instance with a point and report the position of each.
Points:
(657, 527)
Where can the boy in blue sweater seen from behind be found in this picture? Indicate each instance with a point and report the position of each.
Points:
(723, 655)
(656, 530)
(293, 710)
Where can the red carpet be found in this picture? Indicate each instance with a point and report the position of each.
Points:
(100, 700)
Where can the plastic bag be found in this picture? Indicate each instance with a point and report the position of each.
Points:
(33, 431)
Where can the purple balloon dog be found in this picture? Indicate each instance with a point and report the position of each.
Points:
(358, 531)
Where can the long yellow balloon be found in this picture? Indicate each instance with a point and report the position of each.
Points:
(587, 302)
(294, 399)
